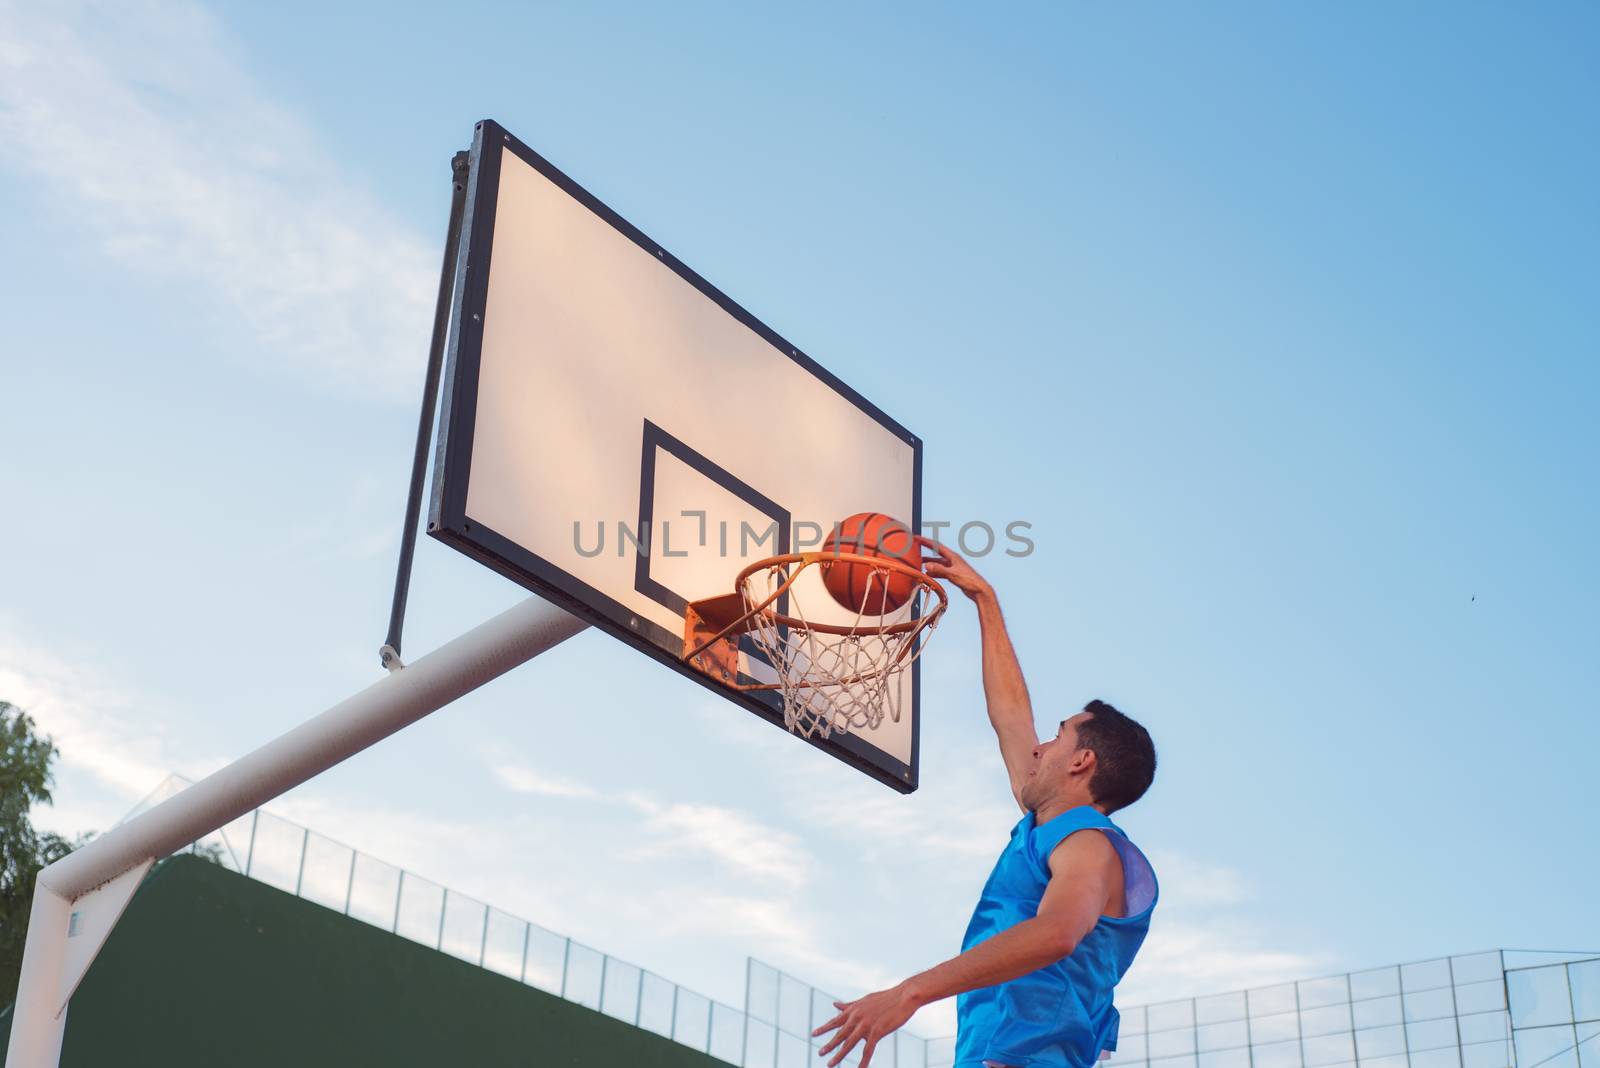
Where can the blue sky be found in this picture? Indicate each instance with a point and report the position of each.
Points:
(1277, 323)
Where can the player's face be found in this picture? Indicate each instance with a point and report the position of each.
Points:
(1053, 763)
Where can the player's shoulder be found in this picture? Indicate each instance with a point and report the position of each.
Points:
(1085, 848)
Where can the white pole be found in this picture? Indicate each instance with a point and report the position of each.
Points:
(398, 700)
(40, 1043)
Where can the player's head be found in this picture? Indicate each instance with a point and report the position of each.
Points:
(1099, 757)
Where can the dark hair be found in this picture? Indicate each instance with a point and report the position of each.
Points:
(1125, 757)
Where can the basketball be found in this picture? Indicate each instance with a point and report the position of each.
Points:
(860, 587)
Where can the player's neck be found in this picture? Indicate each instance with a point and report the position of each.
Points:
(1054, 807)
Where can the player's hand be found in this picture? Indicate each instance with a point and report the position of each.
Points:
(868, 1020)
(951, 566)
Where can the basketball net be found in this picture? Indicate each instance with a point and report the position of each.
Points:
(837, 676)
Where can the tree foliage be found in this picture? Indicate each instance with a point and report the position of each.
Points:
(25, 780)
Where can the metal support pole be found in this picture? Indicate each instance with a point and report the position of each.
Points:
(399, 699)
(36, 1026)
(390, 653)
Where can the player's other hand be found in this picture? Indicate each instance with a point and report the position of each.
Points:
(870, 1019)
(947, 564)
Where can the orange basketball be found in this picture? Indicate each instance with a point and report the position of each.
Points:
(862, 588)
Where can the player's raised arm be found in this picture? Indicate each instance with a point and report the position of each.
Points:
(1010, 710)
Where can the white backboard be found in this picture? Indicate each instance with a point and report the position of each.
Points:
(620, 436)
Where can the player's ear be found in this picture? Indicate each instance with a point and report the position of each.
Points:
(1083, 762)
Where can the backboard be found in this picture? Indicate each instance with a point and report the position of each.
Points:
(620, 436)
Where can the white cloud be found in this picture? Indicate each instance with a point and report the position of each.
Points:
(1204, 939)
(527, 781)
(1184, 959)
(141, 125)
(686, 834)
(1195, 883)
(746, 847)
(120, 740)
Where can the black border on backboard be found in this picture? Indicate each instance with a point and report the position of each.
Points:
(657, 439)
(447, 518)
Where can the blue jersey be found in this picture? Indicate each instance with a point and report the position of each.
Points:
(1060, 1016)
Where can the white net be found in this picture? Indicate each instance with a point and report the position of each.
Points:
(837, 676)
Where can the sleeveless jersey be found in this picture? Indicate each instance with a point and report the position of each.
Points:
(1060, 1016)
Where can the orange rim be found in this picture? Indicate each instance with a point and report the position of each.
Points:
(738, 626)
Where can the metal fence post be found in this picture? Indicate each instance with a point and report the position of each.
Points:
(300, 876)
(444, 906)
(1572, 1011)
(1405, 1024)
(744, 1039)
(1299, 1025)
(1455, 1009)
(250, 849)
(350, 883)
(1249, 1034)
(1350, 1006)
(811, 1016)
(1505, 997)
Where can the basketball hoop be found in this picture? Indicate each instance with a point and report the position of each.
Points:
(832, 676)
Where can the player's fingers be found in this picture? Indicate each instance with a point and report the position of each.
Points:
(843, 1053)
(833, 1042)
(866, 1052)
(844, 1041)
(829, 1026)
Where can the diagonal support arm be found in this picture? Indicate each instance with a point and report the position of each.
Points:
(406, 695)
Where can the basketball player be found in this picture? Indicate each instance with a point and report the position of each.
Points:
(1069, 901)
